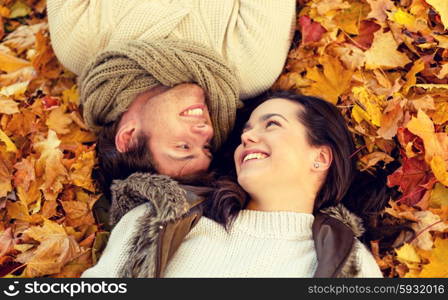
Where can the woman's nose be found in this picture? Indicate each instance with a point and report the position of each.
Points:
(248, 137)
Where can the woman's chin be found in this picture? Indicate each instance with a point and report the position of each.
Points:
(250, 181)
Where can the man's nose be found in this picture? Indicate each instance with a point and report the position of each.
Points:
(204, 130)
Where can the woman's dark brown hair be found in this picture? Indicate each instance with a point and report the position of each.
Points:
(360, 192)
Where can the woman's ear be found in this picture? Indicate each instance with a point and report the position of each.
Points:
(323, 158)
(125, 136)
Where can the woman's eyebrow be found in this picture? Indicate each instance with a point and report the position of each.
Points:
(267, 116)
(263, 118)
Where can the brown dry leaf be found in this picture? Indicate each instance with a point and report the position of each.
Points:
(379, 9)
(385, 43)
(25, 173)
(17, 210)
(5, 178)
(427, 221)
(351, 56)
(411, 79)
(390, 120)
(424, 103)
(81, 170)
(25, 74)
(59, 121)
(23, 38)
(77, 213)
(6, 241)
(373, 158)
(56, 249)
(8, 106)
(50, 165)
(330, 82)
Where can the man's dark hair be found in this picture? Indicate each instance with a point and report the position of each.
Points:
(113, 164)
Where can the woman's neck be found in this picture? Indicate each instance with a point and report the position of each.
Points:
(295, 200)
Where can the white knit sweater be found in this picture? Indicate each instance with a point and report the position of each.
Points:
(258, 244)
(252, 35)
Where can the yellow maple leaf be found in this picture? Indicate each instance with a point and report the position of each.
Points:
(385, 43)
(71, 95)
(438, 265)
(439, 168)
(370, 110)
(10, 146)
(330, 83)
(50, 165)
(403, 18)
(423, 127)
(411, 80)
(10, 63)
(440, 114)
(441, 6)
(407, 253)
(439, 196)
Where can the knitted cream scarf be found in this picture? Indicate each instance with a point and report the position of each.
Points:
(116, 76)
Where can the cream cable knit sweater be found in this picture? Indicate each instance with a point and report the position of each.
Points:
(259, 244)
(252, 35)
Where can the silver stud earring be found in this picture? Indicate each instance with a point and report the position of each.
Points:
(316, 165)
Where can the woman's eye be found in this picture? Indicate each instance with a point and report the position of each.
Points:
(271, 123)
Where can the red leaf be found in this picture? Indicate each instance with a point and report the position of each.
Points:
(411, 179)
(311, 31)
(365, 37)
(50, 102)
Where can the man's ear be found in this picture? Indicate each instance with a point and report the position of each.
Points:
(125, 136)
(323, 158)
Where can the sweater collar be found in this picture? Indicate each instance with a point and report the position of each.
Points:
(275, 224)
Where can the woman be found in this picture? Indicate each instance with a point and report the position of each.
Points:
(294, 163)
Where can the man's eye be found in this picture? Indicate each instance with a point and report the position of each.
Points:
(184, 147)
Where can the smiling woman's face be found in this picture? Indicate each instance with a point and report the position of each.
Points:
(179, 126)
(274, 149)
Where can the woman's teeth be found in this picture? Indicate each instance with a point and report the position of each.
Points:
(194, 112)
(254, 156)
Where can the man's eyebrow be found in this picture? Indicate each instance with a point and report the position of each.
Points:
(264, 118)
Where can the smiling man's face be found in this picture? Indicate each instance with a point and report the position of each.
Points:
(179, 126)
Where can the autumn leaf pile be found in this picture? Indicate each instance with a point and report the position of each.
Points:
(46, 154)
(384, 63)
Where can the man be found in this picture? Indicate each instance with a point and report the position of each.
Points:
(167, 76)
